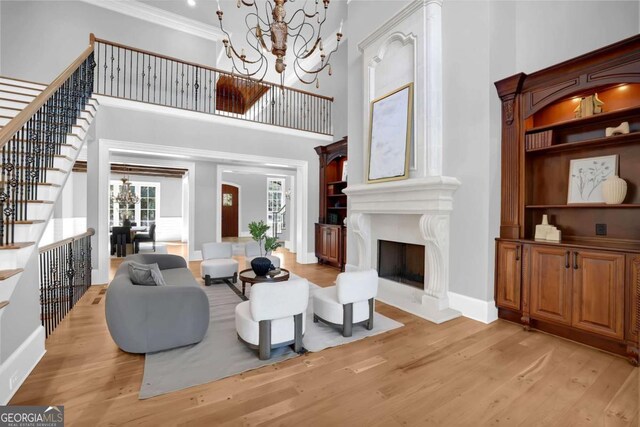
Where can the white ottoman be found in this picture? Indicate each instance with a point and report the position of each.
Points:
(219, 269)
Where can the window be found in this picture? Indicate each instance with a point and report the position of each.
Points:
(275, 201)
(142, 213)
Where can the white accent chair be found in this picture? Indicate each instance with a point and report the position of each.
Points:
(274, 316)
(217, 263)
(350, 302)
(252, 250)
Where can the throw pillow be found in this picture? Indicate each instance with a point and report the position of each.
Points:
(145, 274)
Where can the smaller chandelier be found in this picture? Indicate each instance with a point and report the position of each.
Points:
(126, 196)
(303, 28)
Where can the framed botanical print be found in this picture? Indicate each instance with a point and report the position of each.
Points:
(586, 177)
(390, 127)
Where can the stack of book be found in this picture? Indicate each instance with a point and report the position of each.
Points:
(538, 140)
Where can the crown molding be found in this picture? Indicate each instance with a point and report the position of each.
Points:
(395, 20)
(160, 17)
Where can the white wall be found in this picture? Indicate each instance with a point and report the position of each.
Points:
(39, 39)
(253, 199)
(204, 134)
(483, 41)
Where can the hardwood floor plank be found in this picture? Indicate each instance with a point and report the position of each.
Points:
(459, 373)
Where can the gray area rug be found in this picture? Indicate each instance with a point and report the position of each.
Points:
(221, 355)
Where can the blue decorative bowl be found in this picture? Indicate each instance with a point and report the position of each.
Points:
(261, 266)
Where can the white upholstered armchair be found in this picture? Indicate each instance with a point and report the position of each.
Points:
(252, 250)
(350, 302)
(217, 263)
(274, 316)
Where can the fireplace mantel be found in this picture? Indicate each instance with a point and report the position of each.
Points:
(412, 196)
(422, 207)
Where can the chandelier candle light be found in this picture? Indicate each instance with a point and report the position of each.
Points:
(305, 28)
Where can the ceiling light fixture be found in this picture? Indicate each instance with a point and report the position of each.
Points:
(304, 27)
(191, 3)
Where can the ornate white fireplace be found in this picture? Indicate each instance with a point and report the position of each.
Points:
(412, 211)
(408, 48)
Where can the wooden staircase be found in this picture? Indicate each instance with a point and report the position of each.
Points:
(42, 129)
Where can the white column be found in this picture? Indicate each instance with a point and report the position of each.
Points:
(98, 204)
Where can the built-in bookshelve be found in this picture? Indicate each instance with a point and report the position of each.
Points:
(594, 142)
(583, 121)
(584, 286)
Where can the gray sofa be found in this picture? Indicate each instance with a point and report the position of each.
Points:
(144, 319)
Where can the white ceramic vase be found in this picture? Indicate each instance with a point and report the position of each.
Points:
(614, 190)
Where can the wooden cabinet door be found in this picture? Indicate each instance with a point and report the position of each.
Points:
(598, 292)
(508, 275)
(332, 246)
(550, 292)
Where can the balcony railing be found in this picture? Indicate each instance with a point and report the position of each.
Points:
(130, 73)
(65, 275)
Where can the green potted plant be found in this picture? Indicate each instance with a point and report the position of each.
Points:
(258, 230)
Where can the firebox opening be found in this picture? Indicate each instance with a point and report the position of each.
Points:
(401, 262)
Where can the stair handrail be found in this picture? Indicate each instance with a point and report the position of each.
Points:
(89, 232)
(17, 123)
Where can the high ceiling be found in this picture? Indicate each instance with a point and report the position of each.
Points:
(234, 20)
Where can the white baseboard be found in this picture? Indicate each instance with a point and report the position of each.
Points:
(244, 234)
(350, 267)
(473, 308)
(196, 256)
(17, 367)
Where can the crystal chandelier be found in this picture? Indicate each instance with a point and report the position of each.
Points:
(304, 28)
(126, 196)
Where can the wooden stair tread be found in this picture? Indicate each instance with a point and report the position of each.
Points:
(13, 100)
(21, 87)
(13, 246)
(5, 274)
(17, 93)
(48, 202)
(25, 222)
(37, 183)
(58, 156)
(44, 86)
(3, 304)
(50, 169)
(56, 123)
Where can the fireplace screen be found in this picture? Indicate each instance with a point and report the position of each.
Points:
(401, 262)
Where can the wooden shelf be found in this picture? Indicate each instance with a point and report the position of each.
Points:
(612, 140)
(585, 243)
(586, 206)
(609, 115)
(336, 182)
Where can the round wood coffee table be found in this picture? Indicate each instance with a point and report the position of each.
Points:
(248, 276)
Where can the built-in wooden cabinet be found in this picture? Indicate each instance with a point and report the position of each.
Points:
(331, 229)
(587, 286)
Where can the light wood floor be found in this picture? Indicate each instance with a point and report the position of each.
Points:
(461, 373)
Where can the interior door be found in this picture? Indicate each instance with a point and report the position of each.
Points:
(551, 284)
(598, 292)
(229, 211)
